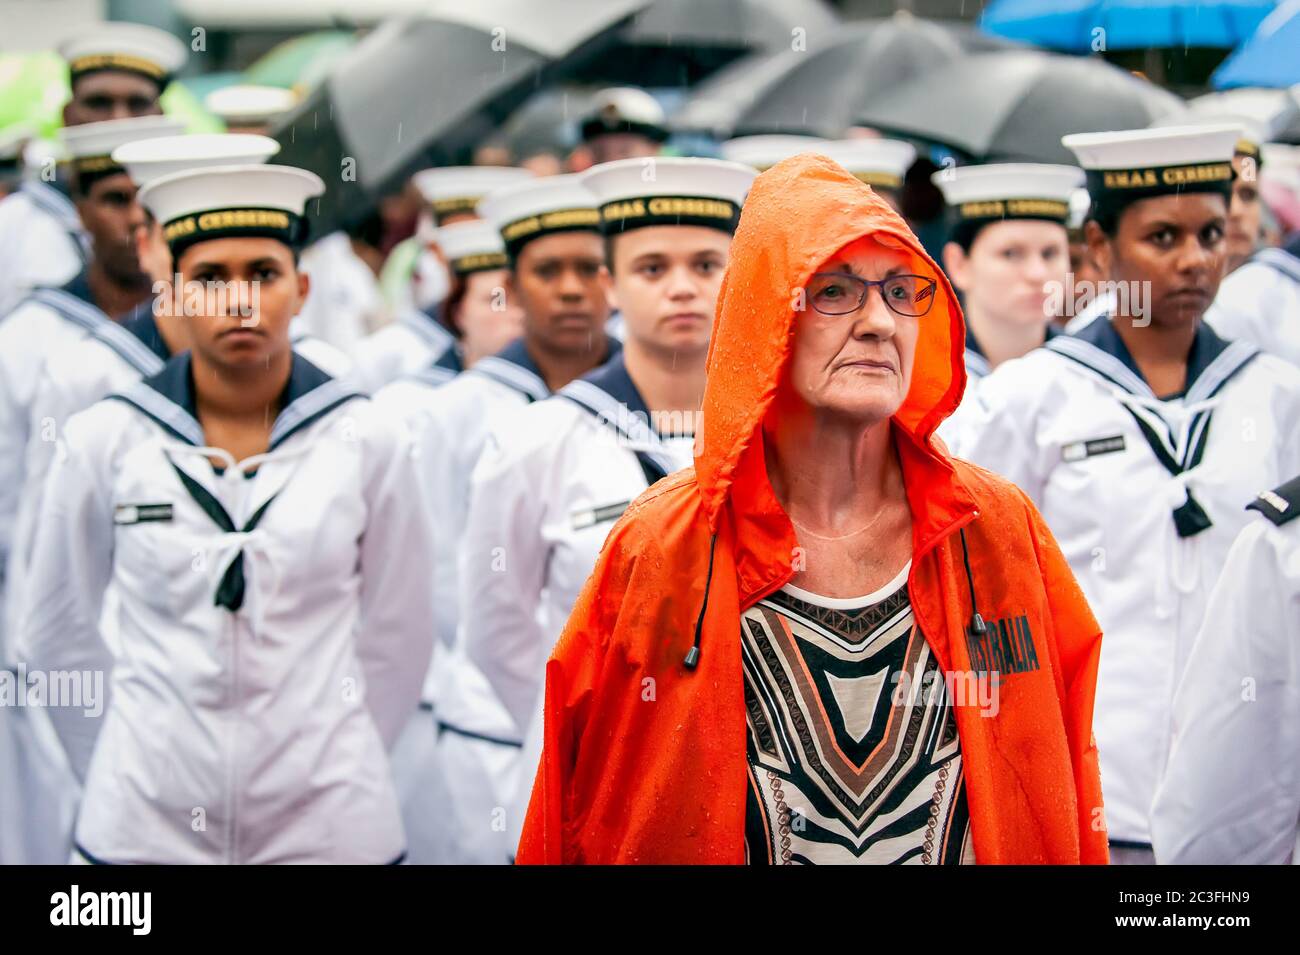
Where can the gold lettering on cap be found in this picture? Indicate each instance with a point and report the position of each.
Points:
(116, 61)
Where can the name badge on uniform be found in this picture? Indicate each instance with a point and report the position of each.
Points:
(591, 516)
(1090, 449)
(141, 513)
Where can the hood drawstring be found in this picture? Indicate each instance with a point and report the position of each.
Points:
(693, 654)
(976, 627)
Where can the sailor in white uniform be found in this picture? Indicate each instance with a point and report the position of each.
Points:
(421, 335)
(1231, 790)
(1259, 300)
(485, 321)
(1143, 437)
(116, 70)
(1008, 254)
(555, 478)
(551, 231)
(271, 627)
(52, 319)
(116, 354)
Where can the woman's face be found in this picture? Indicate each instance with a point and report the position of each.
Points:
(239, 295)
(488, 320)
(1008, 269)
(1172, 250)
(857, 365)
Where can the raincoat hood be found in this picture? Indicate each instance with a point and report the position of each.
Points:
(798, 214)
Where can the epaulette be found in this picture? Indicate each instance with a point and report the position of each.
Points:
(1280, 504)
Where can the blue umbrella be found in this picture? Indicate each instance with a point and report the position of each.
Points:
(1269, 58)
(1071, 25)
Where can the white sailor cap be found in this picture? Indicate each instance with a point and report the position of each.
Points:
(625, 109)
(472, 246)
(455, 190)
(90, 146)
(1133, 164)
(764, 152)
(148, 159)
(540, 207)
(218, 202)
(880, 163)
(1080, 203)
(247, 105)
(664, 190)
(131, 47)
(1253, 132)
(997, 191)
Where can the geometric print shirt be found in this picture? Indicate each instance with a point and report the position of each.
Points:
(851, 736)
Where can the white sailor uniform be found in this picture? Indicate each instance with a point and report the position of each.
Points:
(1145, 496)
(272, 627)
(1231, 790)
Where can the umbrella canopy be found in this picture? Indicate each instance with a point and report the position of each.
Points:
(424, 91)
(820, 92)
(1071, 25)
(1270, 57)
(679, 42)
(1016, 106)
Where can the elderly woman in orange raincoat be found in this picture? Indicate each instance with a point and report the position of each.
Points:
(829, 641)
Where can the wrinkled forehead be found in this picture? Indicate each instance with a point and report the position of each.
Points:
(874, 256)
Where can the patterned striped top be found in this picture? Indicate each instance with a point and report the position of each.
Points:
(852, 739)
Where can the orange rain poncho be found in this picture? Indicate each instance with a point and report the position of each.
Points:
(644, 758)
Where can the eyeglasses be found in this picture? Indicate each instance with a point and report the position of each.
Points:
(839, 293)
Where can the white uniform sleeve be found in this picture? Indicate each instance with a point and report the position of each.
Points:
(61, 600)
(998, 428)
(502, 571)
(442, 477)
(1231, 789)
(395, 631)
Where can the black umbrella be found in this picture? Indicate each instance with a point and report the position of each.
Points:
(822, 90)
(679, 42)
(1016, 106)
(424, 91)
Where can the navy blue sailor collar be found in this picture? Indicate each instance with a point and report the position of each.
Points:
(136, 340)
(514, 367)
(168, 398)
(610, 395)
(1210, 362)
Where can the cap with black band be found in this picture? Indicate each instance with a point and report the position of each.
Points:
(978, 196)
(763, 152)
(880, 163)
(538, 208)
(90, 146)
(658, 191)
(1123, 167)
(624, 109)
(472, 246)
(124, 47)
(457, 190)
(220, 202)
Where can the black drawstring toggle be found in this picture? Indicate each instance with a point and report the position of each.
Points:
(693, 654)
